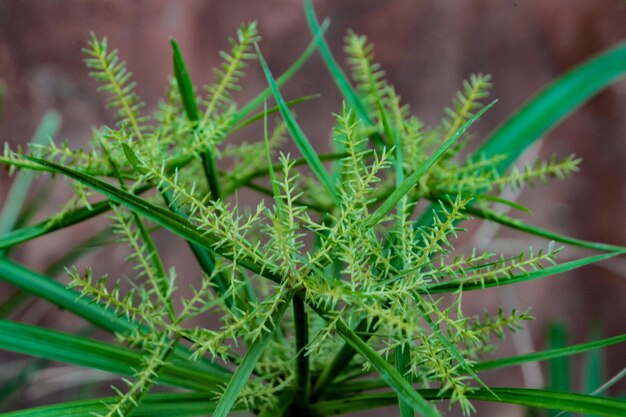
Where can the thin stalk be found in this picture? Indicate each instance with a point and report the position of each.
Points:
(303, 379)
(341, 360)
(161, 286)
(402, 354)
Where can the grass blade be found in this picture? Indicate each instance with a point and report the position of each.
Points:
(454, 285)
(559, 366)
(49, 289)
(56, 293)
(335, 70)
(185, 88)
(163, 217)
(402, 354)
(580, 403)
(14, 203)
(549, 354)
(53, 224)
(82, 351)
(546, 109)
(298, 135)
(516, 224)
(394, 379)
(183, 80)
(272, 110)
(412, 179)
(243, 372)
(152, 405)
(280, 81)
(594, 370)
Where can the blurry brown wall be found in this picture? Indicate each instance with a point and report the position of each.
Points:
(427, 47)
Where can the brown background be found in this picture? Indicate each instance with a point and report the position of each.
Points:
(427, 48)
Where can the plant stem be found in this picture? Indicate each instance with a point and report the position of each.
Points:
(303, 380)
(341, 360)
(402, 359)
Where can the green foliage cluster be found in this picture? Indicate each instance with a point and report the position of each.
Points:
(333, 277)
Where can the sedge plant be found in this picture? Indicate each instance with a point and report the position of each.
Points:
(340, 290)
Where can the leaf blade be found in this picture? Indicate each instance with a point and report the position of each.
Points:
(298, 135)
(243, 372)
(553, 103)
(412, 179)
(82, 351)
(542, 273)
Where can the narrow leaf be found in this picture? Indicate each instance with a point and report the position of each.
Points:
(243, 372)
(152, 405)
(546, 109)
(580, 403)
(549, 354)
(77, 350)
(512, 223)
(454, 285)
(412, 179)
(298, 135)
(272, 110)
(280, 81)
(402, 388)
(337, 73)
(163, 217)
(48, 289)
(185, 86)
(21, 184)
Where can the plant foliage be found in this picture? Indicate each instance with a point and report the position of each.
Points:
(374, 288)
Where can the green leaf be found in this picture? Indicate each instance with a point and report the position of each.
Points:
(67, 348)
(547, 108)
(454, 285)
(512, 223)
(559, 368)
(185, 87)
(163, 217)
(243, 372)
(594, 370)
(259, 116)
(412, 179)
(53, 223)
(14, 203)
(152, 405)
(580, 403)
(403, 354)
(402, 388)
(549, 354)
(49, 289)
(335, 70)
(280, 81)
(298, 135)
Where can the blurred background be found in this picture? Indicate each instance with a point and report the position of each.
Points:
(427, 48)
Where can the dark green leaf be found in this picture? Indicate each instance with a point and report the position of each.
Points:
(243, 372)
(412, 179)
(67, 348)
(298, 135)
(185, 87)
(546, 109)
(153, 405)
(454, 285)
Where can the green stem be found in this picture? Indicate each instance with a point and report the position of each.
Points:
(402, 354)
(341, 360)
(303, 379)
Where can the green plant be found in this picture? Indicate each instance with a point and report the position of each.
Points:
(341, 295)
